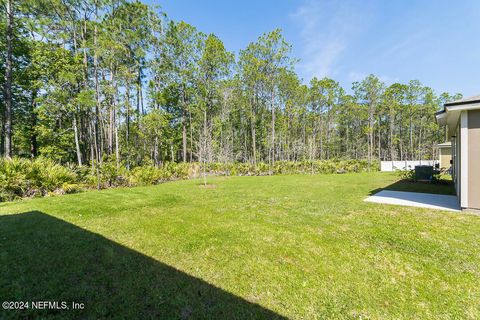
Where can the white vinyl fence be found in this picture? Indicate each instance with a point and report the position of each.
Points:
(405, 165)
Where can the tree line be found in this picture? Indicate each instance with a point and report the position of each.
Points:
(88, 81)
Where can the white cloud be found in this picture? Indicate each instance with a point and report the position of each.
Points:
(327, 28)
(408, 45)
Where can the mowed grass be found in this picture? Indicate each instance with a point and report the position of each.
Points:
(303, 247)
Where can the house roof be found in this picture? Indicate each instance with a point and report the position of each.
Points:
(447, 144)
(450, 114)
(469, 100)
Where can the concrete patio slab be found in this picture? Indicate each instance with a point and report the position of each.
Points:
(416, 199)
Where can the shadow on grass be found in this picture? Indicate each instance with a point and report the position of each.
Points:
(440, 187)
(43, 258)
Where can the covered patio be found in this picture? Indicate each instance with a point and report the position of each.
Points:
(416, 199)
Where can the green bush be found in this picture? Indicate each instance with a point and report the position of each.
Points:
(49, 176)
(112, 174)
(27, 178)
(145, 175)
(406, 175)
(13, 178)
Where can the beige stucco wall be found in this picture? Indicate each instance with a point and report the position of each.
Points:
(445, 157)
(474, 159)
(456, 161)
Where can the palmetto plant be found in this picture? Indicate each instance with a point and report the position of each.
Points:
(26, 178)
(13, 178)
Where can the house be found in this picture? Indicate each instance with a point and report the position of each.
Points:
(445, 155)
(462, 118)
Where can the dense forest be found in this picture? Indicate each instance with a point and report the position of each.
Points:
(90, 81)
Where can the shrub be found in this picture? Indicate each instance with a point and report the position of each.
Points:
(145, 175)
(110, 173)
(406, 175)
(27, 178)
(13, 178)
(50, 176)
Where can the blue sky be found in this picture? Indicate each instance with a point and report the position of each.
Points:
(436, 42)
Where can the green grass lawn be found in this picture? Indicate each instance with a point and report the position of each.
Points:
(251, 247)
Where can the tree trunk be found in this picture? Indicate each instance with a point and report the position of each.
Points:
(155, 151)
(347, 142)
(400, 145)
(272, 147)
(95, 154)
(204, 153)
(411, 137)
(191, 136)
(420, 138)
(127, 124)
(254, 138)
(392, 128)
(77, 143)
(117, 144)
(33, 128)
(370, 135)
(110, 129)
(184, 127)
(327, 134)
(379, 147)
(115, 126)
(8, 81)
(111, 120)
(139, 92)
(321, 133)
(98, 154)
